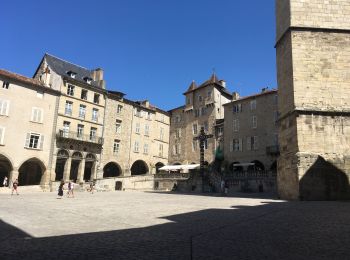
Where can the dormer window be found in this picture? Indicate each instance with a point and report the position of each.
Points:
(88, 80)
(71, 74)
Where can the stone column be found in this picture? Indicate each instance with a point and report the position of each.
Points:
(53, 168)
(94, 171)
(13, 175)
(81, 170)
(67, 167)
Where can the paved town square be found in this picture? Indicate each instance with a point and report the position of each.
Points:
(147, 225)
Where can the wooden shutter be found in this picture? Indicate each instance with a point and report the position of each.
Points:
(231, 145)
(2, 132)
(256, 145)
(249, 143)
(41, 142)
(240, 144)
(7, 107)
(27, 140)
(179, 148)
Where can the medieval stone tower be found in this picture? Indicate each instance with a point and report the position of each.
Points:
(313, 66)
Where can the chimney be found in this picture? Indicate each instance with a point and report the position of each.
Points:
(97, 75)
(145, 103)
(222, 83)
(235, 96)
(264, 89)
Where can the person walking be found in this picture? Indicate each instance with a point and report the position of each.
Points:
(4, 183)
(69, 189)
(92, 184)
(15, 187)
(60, 190)
(72, 188)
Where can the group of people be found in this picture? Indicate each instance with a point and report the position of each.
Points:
(14, 185)
(70, 192)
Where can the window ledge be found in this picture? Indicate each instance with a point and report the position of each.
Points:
(36, 149)
(41, 123)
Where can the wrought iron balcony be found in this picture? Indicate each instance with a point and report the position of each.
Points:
(273, 150)
(79, 137)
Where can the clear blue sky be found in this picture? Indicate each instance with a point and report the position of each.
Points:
(149, 49)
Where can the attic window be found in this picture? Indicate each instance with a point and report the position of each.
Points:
(88, 80)
(72, 74)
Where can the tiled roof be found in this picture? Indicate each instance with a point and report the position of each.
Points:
(61, 67)
(24, 79)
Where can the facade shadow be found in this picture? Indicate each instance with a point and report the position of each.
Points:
(324, 181)
(274, 230)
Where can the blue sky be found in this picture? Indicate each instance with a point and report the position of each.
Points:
(149, 49)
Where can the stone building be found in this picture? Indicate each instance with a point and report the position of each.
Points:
(251, 132)
(27, 123)
(80, 118)
(313, 65)
(136, 142)
(203, 107)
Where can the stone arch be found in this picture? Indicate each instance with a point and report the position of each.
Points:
(31, 172)
(177, 163)
(139, 167)
(159, 165)
(90, 161)
(62, 157)
(112, 169)
(6, 167)
(77, 157)
(258, 166)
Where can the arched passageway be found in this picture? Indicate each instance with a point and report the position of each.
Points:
(139, 167)
(111, 169)
(159, 165)
(31, 172)
(258, 166)
(90, 161)
(177, 163)
(76, 160)
(5, 169)
(62, 157)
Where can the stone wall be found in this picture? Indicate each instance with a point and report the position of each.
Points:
(313, 63)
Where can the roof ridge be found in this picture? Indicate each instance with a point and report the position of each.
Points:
(67, 61)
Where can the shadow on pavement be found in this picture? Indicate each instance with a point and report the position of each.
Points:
(274, 230)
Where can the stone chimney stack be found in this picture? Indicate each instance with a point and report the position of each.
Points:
(235, 96)
(97, 75)
(145, 103)
(222, 83)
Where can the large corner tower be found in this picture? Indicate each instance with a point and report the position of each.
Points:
(313, 65)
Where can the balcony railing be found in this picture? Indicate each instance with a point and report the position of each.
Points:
(77, 136)
(272, 150)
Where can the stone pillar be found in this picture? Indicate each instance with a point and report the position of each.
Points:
(94, 171)
(81, 170)
(67, 168)
(13, 176)
(53, 168)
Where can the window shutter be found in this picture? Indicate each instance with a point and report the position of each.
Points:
(179, 148)
(240, 107)
(33, 114)
(41, 142)
(256, 145)
(174, 152)
(231, 145)
(180, 132)
(2, 130)
(27, 140)
(1, 106)
(6, 107)
(248, 143)
(240, 144)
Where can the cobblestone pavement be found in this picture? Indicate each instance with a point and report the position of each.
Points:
(145, 225)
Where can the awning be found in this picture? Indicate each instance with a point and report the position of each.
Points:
(179, 167)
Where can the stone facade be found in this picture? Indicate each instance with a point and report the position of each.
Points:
(251, 132)
(28, 119)
(203, 107)
(313, 63)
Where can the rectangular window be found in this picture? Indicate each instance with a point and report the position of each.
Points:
(37, 115)
(137, 128)
(254, 122)
(118, 126)
(5, 85)
(177, 149)
(82, 111)
(136, 147)
(39, 94)
(237, 108)
(252, 104)
(66, 126)
(237, 145)
(137, 112)
(200, 99)
(97, 98)
(235, 125)
(80, 131)
(203, 111)
(149, 115)
(161, 134)
(70, 90)
(119, 109)
(220, 131)
(178, 133)
(194, 129)
(34, 141)
(276, 116)
(84, 94)
(147, 130)
(93, 133)
(145, 148)
(160, 150)
(4, 107)
(188, 101)
(255, 143)
(2, 135)
(209, 95)
(252, 143)
(94, 114)
(68, 108)
(116, 147)
(194, 145)
(206, 126)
